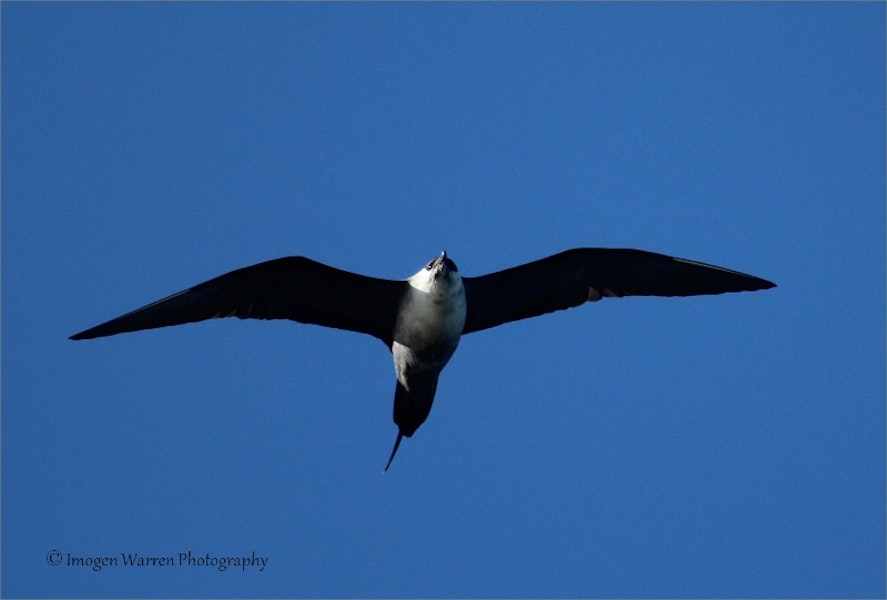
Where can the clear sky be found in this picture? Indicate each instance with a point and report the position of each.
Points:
(720, 446)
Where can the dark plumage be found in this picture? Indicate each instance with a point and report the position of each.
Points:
(422, 318)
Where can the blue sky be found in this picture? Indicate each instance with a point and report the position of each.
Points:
(726, 446)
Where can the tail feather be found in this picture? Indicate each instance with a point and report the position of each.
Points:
(411, 407)
(394, 451)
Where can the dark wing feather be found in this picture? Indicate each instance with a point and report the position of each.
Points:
(294, 287)
(576, 276)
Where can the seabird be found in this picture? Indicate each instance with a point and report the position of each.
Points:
(421, 319)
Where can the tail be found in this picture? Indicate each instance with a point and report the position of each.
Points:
(411, 408)
(393, 452)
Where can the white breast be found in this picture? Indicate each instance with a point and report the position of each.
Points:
(430, 323)
(432, 313)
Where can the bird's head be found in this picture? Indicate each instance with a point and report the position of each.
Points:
(440, 274)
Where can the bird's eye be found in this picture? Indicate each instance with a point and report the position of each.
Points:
(429, 265)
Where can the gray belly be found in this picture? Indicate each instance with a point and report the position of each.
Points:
(427, 333)
(423, 360)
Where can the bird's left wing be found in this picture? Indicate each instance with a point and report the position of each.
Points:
(577, 276)
(294, 287)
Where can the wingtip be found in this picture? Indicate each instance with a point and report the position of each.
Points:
(394, 451)
(83, 335)
(765, 285)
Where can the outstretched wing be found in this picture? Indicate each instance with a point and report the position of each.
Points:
(294, 287)
(577, 276)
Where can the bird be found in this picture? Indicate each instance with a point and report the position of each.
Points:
(421, 319)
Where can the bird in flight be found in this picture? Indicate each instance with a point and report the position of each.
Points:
(421, 319)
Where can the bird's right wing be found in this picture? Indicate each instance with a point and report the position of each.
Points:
(294, 287)
(581, 275)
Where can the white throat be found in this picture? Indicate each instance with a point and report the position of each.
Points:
(435, 302)
(431, 319)
(436, 280)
